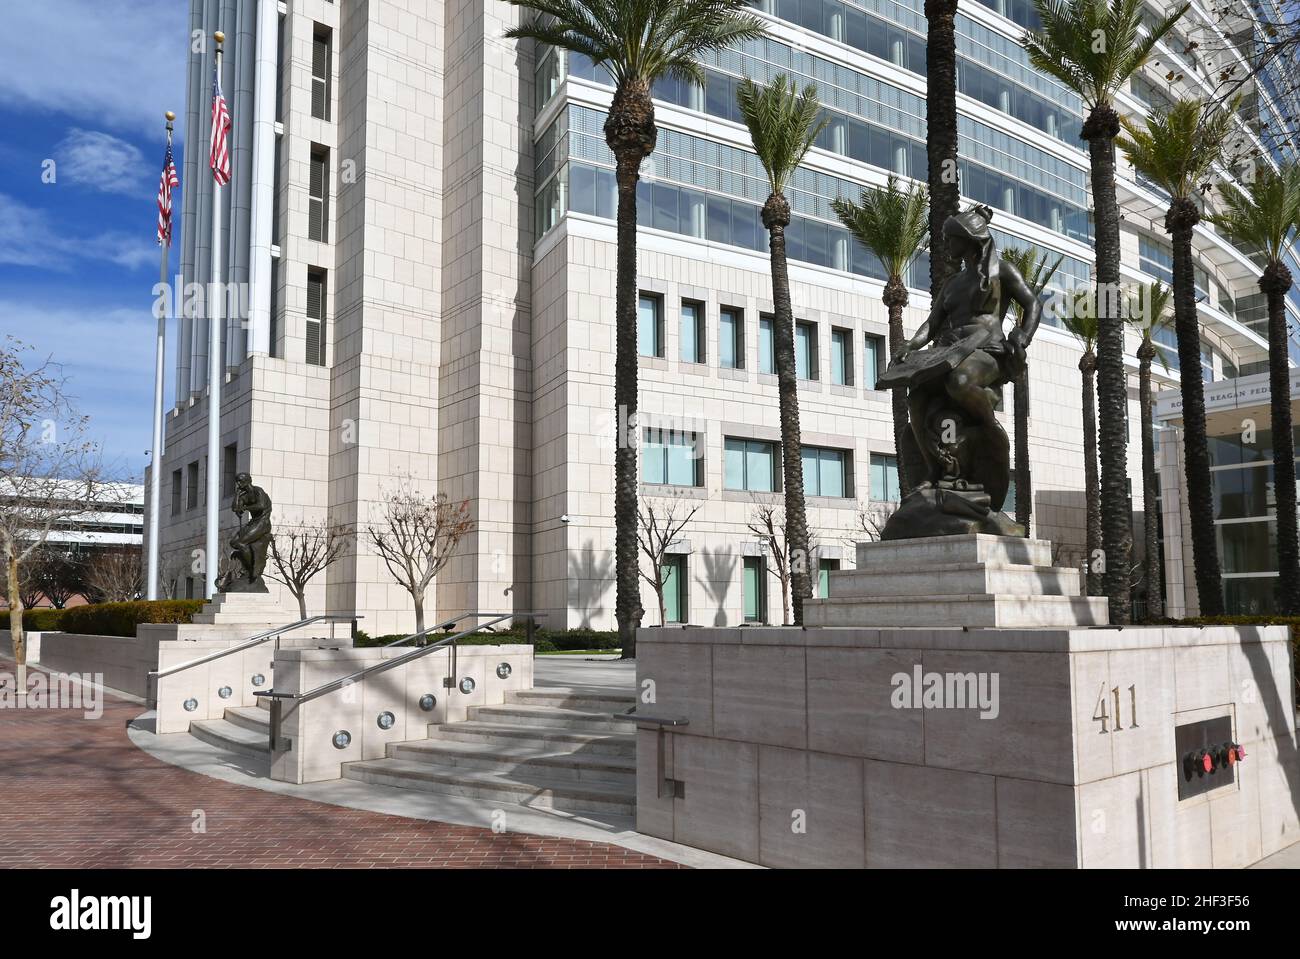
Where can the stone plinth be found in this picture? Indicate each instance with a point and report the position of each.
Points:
(1039, 748)
(972, 580)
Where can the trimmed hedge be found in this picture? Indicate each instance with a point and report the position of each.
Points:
(544, 640)
(36, 620)
(121, 619)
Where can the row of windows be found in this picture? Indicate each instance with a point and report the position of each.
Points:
(692, 339)
(186, 484)
(676, 458)
(675, 577)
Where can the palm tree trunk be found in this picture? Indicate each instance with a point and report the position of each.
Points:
(1100, 130)
(776, 217)
(941, 131)
(1179, 221)
(1091, 496)
(630, 133)
(1024, 497)
(1150, 488)
(895, 298)
(1275, 283)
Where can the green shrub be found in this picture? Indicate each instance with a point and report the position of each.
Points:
(121, 619)
(36, 620)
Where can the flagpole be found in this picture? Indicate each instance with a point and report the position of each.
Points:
(215, 375)
(160, 349)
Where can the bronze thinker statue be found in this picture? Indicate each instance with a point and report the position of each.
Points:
(250, 542)
(956, 445)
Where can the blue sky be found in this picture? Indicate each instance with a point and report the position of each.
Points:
(85, 83)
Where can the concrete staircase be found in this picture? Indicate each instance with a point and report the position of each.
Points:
(551, 747)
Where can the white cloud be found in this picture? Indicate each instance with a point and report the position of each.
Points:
(101, 161)
(116, 63)
(27, 238)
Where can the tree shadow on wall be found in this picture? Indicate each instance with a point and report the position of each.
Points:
(591, 575)
(719, 566)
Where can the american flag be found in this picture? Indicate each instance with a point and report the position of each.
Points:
(220, 155)
(165, 184)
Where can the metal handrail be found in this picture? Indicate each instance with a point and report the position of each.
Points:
(414, 654)
(253, 641)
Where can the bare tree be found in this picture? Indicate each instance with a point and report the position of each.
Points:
(169, 575)
(416, 535)
(299, 552)
(49, 470)
(114, 574)
(659, 524)
(767, 522)
(58, 573)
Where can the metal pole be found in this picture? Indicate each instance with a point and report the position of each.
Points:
(215, 374)
(160, 350)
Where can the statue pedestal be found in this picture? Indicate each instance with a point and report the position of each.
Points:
(973, 580)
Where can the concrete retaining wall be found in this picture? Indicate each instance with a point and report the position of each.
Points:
(124, 661)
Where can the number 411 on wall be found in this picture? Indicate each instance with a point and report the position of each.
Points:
(1103, 716)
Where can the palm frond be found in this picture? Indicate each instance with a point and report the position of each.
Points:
(1264, 215)
(1079, 315)
(1148, 311)
(783, 123)
(1178, 148)
(890, 221)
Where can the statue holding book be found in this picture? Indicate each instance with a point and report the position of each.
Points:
(954, 370)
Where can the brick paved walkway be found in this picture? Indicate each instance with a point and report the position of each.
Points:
(78, 793)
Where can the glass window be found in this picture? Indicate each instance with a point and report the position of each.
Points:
(320, 74)
(841, 358)
(872, 359)
(805, 351)
(1248, 547)
(692, 332)
(650, 326)
(318, 196)
(670, 458)
(750, 465)
(731, 338)
(755, 610)
(824, 471)
(824, 569)
(884, 477)
(316, 335)
(673, 576)
(766, 346)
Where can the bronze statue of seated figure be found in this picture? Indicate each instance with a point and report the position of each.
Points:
(250, 542)
(956, 446)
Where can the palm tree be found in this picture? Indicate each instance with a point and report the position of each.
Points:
(783, 123)
(1037, 275)
(891, 223)
(1080, 318)
(941, 130)
(638, 42)
(1150, 315)
(1093, 47)
(1262, 219)
(1177, 150)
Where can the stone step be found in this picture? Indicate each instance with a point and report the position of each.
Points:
(253, 718)
(541, 738)
(234, 739)
(946, 612)
(936, 550)
(578, 720)
(942, 579)
(539, 791)
(561, 764)
(588, 698)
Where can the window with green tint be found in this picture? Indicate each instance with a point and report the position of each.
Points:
(755, 608)
(766, 345)
(884, 477)
(841, 358)
(650, 326)
(671, 458)
(692, 332)
(674, 580)
(731, 338)
(824, 569)
(824, 471)
(750, 465)
(805, 351)
(873, 354)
